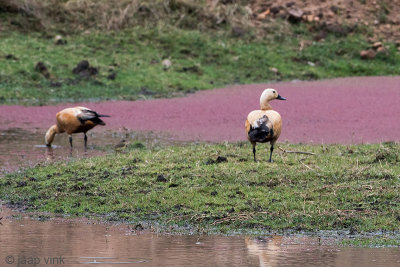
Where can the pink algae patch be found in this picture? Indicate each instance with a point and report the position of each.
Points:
(345, 110)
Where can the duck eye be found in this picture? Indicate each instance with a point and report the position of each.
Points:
(273, 92)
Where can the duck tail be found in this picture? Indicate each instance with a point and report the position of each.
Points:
(103, 115)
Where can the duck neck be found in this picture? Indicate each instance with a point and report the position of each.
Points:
(51, 132)
(265, 106)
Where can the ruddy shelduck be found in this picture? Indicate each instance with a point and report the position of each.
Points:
(264, 125)
(74, 120)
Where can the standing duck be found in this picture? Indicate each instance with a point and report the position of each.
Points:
(264, 125)
(74, 120)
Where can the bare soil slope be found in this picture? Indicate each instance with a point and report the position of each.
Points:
(380, 17)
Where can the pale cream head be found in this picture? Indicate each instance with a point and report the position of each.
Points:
(268, 95)
(51, 132)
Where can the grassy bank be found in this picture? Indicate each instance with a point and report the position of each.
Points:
(353, 188)
(125, 42)
(129, 64)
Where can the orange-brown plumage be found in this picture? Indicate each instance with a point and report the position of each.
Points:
(74, 120)
(264, 125)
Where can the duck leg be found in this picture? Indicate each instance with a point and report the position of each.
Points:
(270, 155)
(70, 140)
(85, 138)
(254, 152)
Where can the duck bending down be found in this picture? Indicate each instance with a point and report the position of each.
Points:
(264, 125)
(74, 120)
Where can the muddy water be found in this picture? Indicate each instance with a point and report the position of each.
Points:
(21, 149)
(81, 242)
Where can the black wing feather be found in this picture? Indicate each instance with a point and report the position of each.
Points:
(260, 132)
(90, 115)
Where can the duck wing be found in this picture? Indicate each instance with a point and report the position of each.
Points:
(90, 115)
(260, 131)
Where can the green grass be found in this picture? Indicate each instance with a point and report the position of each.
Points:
(200, 60)
(353, 188)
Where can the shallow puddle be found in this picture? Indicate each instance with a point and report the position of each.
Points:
(23, 149)
(61, 242)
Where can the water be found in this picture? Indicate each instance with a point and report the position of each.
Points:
(81, 242)
(22, 149)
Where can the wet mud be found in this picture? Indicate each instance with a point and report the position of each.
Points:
(21, 148)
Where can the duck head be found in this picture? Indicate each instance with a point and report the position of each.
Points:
(268, 95)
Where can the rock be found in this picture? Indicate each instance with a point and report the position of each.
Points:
(166, 64)
(264, 14)
(368, 54)
(193, 69)
(381, 49)
(274, 70)
(22, 184)
(59, 40)
(11, 57)
(330, 14)
(92, 71)
(40, 67)
(55, 84)
(83, 65)
(275, 9)
(210, 161)
(146, 91)
(178, 206)
(221, 159)
(335, 9)
(295, 15)
(84, 69)
(376, 45)
(139, 227)
(248, 10)
(290, 4)
(161, 178)
(309, 18)
(112, 76)
(338, 29)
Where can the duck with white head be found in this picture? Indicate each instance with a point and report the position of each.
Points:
(264, 125)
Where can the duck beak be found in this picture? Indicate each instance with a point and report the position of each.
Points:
(280, 97)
